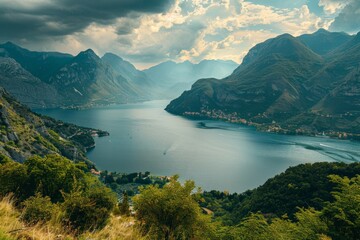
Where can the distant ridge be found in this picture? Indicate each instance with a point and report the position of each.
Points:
(177, 77)
(52, 79)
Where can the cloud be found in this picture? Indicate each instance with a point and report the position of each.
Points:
(333, 6)
(349, 18)
(150, 31)
(48, 18)
(229, 35)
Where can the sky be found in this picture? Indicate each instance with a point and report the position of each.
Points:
(147, 32)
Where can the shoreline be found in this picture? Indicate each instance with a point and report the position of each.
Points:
(273, 128)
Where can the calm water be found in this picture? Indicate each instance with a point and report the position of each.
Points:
(217, 155)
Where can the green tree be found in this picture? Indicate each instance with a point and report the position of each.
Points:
(13, 178)
(343, 215)
(308, 226)
(171, 212)
(124, 207)
(88, 209)
(254, 227)
(52, 175)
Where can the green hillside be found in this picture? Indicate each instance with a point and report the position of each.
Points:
(284, 86)
(25, 134)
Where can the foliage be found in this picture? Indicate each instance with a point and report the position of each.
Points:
(4, 159)
(88, 209)
(306, 185)
(86, 202)
(13, 178)
(343, 215)
(37, 209)
(339, 219)
(130, 182)
(171, 212)
(12, 227)
(124, 207)
(53, 175)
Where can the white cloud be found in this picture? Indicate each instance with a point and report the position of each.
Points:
(195, 30)
(348, 18)
(333, 6)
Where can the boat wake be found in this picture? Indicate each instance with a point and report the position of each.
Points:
(337, 154)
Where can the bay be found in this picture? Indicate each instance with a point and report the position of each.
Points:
(217, 155)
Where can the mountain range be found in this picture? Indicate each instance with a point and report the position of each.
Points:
(52, 79)
(177, 77)
(306, 84)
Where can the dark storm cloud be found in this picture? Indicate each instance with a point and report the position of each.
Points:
(349, 18)
(127, 25)
(36, 19)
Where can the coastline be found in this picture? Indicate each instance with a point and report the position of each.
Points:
(272, 127)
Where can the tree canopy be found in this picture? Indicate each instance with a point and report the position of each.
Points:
(171, 212)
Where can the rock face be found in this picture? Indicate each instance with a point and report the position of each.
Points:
(147, 87)
(283, 80)
(27, 88)
(23, 134)
(48, 79)
(88, 80)
(42, 65)
(51, 79)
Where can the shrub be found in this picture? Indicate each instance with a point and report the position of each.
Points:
(171, 212)
(124, 207)
(52, 175)
(89, 209)
(13, 178)
(37, 209)
(4, 159)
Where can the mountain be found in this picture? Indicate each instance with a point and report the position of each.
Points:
(270, 78)
(87, 80)
(149, 89)
(282, 85)
(126, 69)
(174, 78)
(40, 64)
(27, 88)
(24, 134)
(323, 42)
(51, 79)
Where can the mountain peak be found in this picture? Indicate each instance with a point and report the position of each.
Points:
(112, 56)
(89, 51)
(11, 45)
(285, 36)
(8, 43)
(321, 30)
(357, 36)
(89, 54)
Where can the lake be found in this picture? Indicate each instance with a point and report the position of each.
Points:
(217, 155)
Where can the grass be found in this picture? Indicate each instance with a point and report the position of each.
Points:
(12, 228)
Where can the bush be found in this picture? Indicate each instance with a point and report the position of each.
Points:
(37, 209)
(4, 159)
(171, 212)
(52, 175)
(90, 209)
(124, 207)
(13, 178)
